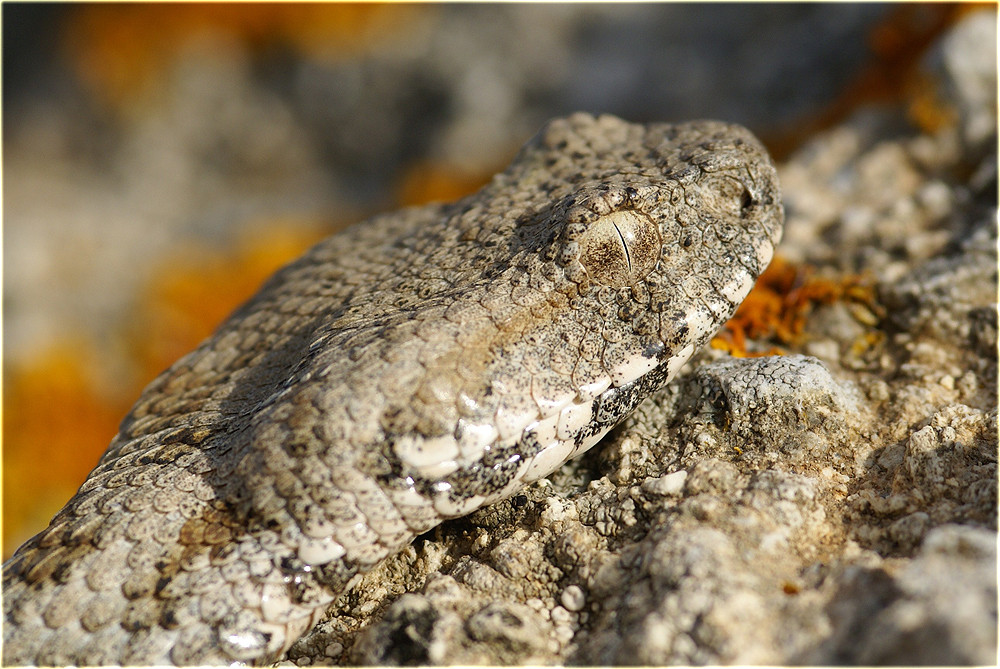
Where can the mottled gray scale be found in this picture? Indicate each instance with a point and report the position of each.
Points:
(410, 369)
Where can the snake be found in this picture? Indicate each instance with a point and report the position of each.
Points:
(409, 369)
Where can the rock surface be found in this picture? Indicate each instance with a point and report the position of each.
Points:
(831, 508)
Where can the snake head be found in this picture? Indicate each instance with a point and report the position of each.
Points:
(610, 253)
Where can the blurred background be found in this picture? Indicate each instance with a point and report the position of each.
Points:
(160, 160)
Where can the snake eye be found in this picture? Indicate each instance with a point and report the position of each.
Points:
(620, 248)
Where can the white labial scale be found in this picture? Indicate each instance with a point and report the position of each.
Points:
(572, 418)
(275, 604)
(543, 431)
(320, 551)
(548, 459)
(701, 321)
(249, 640)
(440, 470)
(433, 458)
(677, 361)
(474, 438)
(553, 453)
(317, 528)
(452, 508)
(764, 254)
(548, 405)
(592, 390)
(576, 416)
(511, 423)
(737, 289)
(636, 367)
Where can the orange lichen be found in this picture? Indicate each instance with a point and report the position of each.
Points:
(434, 182)
(779, 306)
(60, 413)
(120, 49)
(194, 290)
(57, 422)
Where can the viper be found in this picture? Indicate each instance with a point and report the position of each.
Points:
(413, 368)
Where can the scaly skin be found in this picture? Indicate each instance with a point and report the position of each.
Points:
(411, 369)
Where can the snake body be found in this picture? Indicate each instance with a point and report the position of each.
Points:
(411, 369)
